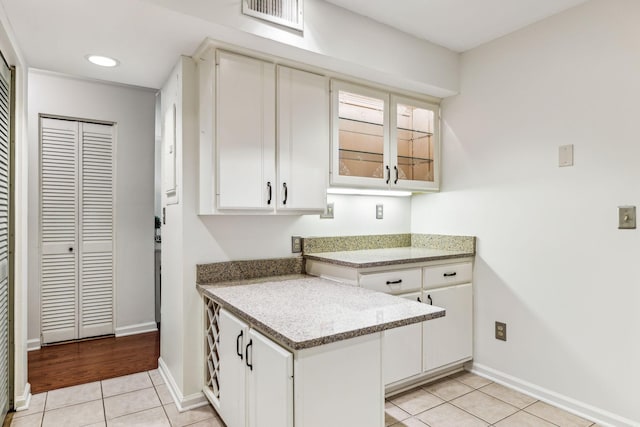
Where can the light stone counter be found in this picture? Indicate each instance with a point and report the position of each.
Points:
(309, 311)
(387, 256)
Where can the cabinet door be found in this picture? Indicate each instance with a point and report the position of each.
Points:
(414, 144)
(245, 133)
(448, 339)
(360, 140)
(270, 378)
(401, 352)
(303, 140)
(233, 339)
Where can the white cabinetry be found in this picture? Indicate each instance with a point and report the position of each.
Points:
(448, 340)
(245, 132)
(383, 141)
(256, 377)
(401, 353)
(264, 142)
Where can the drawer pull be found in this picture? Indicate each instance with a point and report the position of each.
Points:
(394, 282)
(450, 274)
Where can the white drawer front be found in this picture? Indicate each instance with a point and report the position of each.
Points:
(449, 274)
(393, 282)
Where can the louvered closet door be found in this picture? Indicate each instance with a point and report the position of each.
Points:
(5, 111)
(59, 205)
(96, 230)
(77, 230)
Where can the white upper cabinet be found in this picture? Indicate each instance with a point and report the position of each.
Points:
(264, 137)
(383, 141)
(303, 140)
(245, 133)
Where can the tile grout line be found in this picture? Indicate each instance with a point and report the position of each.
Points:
(44, 408)
(104, 410)
(161, 404)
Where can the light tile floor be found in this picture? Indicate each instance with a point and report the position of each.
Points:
(468, 400)
(133, 400)
(460, 400)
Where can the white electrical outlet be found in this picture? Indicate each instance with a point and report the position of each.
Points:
(565, 155)
(379, 211)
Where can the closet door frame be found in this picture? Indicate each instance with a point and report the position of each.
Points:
(114, 126)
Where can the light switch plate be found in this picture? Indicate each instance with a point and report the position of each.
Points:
(328, 212)
(626, 217)
(565, 155)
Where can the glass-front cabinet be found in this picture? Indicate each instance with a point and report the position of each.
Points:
(383, 141)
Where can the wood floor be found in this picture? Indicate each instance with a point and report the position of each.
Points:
(83, 362)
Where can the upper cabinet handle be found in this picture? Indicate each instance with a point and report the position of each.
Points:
(450, 274)
(396, 181)
(269, 187)
(430, 300)
(286, 193)
(394, 282)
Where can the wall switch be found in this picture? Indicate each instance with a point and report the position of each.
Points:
(626, 217)
(379, 211)
(296, 244)
(501, 331)
(565, 155)
(328, 212)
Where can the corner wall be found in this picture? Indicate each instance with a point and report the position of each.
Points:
(551, 262)
(133, 109)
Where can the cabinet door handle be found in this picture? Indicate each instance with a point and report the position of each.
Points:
(394, 282)
(286, 193)
(419, 299)
(246, 352)
(239, 345)
(269, 188)
(430, 300)
(396, 180)
(388, 173)
(450, 274)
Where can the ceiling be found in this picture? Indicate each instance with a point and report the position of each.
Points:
(147, 36)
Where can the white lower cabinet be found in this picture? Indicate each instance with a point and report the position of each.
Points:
(256, 377)
(448, 339)
(401, 353)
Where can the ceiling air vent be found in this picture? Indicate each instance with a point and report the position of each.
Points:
(282, 12)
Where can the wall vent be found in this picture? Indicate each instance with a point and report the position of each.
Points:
(282, 12)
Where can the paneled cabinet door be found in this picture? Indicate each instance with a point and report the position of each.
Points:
(303, 140)
(245, 133)
(448, 339)
(233, 338)
(270, 383)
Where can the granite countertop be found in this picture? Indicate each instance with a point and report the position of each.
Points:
(387, 256)
(309, 311)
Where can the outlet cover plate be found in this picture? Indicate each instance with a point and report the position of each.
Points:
(501, 331)
(296, 244)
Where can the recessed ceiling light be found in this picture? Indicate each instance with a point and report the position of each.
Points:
(103, 61)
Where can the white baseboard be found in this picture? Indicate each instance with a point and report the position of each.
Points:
(183, 403)
(140, 328)
(598, 415)
(33, 344)
(22, 402)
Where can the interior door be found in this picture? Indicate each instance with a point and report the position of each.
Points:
(59, 231)
(5, 296)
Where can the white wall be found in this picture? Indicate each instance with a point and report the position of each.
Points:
(11, 52)
(133, 109)
(333, 38)
(551, 262)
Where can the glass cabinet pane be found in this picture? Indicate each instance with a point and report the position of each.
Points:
(415, 142)
(360, 135)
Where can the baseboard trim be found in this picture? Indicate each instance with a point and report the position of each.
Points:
(140, 328)
(581, 409)
(183, 403)
(22, 402)
(33, 344)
